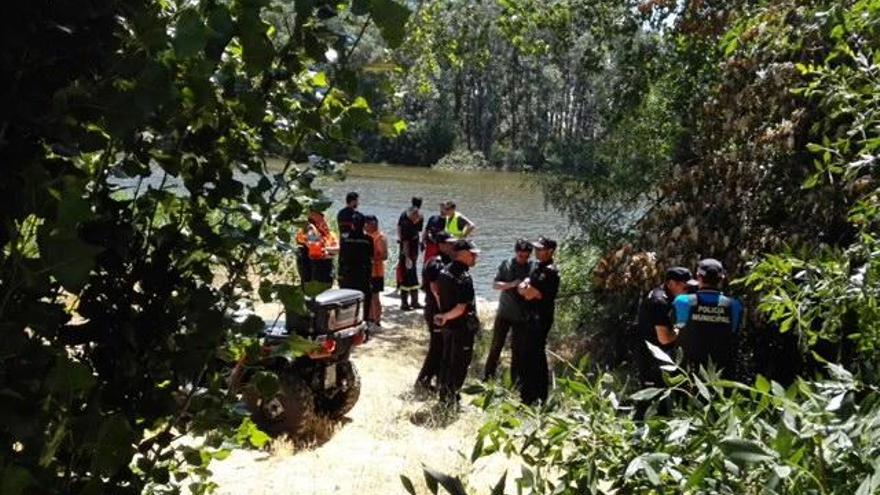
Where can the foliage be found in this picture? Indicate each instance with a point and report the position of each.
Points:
(722, 436)
(138, 202)
(462, 159)
(832, 293)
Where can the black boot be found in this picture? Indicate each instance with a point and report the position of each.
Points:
(404, 303)
(415, 304)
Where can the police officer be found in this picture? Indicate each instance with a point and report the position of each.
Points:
(655, 323)
(708, 321)
(356, 260)
(457, 317)
(431, 272)
(529, 363)
(511, 306)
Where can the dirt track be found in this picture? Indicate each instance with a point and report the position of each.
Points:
(388, 433)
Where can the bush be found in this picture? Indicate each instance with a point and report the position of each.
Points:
(462, 159)
(723, 437)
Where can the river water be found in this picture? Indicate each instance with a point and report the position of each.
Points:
(503, 205)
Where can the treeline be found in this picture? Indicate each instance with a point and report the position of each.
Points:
(514, 83)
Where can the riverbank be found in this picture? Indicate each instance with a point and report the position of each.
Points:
(389, 432)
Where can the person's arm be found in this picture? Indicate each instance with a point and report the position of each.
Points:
(666, 335)
(456, 312)
(435, 291)
(468, 228)
(528, 292)
(681, 307)
(383, 248)
(499, 283)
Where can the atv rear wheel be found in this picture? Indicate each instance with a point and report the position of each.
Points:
(345, 396)
(290, 411)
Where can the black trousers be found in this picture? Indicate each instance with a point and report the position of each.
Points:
(458, 350)
(528, 366)
(500, 329)
(434, 358)
(314, 270)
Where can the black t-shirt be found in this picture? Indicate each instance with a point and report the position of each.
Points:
(511, 305)
(409, 230)
(431, 273)
(456, 287)
(544, 278)
(345, 220)
(355, 261)
(655, 309)
(435, 225)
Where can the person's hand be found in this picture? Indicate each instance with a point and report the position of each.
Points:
(408, 263)
(439, 320)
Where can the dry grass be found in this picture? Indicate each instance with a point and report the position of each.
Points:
(391, 431)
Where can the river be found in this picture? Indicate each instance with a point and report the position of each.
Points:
(501, 204)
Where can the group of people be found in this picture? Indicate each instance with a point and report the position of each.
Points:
(528, 289)
(691, 314)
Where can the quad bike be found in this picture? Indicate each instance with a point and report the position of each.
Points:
(324, 381)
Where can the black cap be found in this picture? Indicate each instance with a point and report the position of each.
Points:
(710, 267)
(544, 243)
(447, 204)
(444, 236)
(522, 245)
(679, 273)
(465, 245)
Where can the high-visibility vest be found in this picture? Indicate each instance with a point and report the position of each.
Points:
(316, 243)
(452, 225)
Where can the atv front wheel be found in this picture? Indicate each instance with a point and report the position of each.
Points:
(338, 401)
(289, 412)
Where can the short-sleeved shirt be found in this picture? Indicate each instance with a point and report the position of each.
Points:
(430, 273)
(655, 310)
(709, 320)
(435, 224)
(511, 305)
(409, 230)
(544, 278)
(345, 220)
(355, 262)
(456, 287)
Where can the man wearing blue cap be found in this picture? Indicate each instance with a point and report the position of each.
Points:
(708, 321)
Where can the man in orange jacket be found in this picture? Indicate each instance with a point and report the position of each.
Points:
(317, 246)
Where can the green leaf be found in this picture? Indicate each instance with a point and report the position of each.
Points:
(190, 34)
(69, 260)
(647, 394)
(498, 489)
(257, 49)
(252, 325)
(69, 377)
(450, 484)
(113, 449)
(293, 298)
(408, 485)
(762, 385)
(743, 451)
(360, 7)
(659, 354)
(390, 17)
(319, 80)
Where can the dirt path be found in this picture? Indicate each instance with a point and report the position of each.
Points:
(388, 433)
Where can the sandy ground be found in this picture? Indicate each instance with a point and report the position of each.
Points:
(388, 433)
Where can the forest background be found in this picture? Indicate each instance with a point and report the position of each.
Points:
(666, 130)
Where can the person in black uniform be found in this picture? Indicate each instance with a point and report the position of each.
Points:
(457, 317)
(409, 231)
(529, 363)
(431, 272)
(344, 219)
(655, 326)
(356, 260)
(511, 306)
